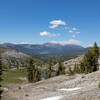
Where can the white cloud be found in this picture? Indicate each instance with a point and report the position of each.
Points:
(71, 31)
(53, 26)
(71, 41)
(56, 23)
(44, 33)
(24, 43)
(48, 34)
(74, 29)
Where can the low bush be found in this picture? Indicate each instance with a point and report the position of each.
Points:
(99, 85)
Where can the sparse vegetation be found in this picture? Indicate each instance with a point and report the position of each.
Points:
(99, 85)
(61, 68)
(31, 71)
(89, 62)
(13, 59)
(13, 76)
(70, 71)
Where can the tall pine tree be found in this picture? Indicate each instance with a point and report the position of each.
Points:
(34, 74)
(61, 68)
(96, 54)
(37, 76)
(49, 70)
(96, 50)
(31, 70)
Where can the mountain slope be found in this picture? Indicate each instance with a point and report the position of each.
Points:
(48, 49)
(12, 58)
(64, 87)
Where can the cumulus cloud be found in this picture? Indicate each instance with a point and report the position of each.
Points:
(48, 34)
(44, 33)
(70, 31)
(71, 41)
(56, 23)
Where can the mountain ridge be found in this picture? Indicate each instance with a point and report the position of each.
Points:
(46, 49)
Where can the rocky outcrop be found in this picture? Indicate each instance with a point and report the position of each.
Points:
(13, 58)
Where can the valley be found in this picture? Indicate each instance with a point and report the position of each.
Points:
(63, 87)
(63, 80)
(49, 50)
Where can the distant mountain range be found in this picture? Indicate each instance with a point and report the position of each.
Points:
(47, 49)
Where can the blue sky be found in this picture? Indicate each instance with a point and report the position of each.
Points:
(59, 21)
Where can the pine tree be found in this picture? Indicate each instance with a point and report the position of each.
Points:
(0, 76)
(17, 66)
(49, 70)
(31, 70)
(76, 69)
(34, 74)
(82, 67)
(61, 68)
(70, 71)
(96, 54)
(88, 61)
(96, 50)
(37, 76)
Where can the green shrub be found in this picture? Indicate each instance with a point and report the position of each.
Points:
(99, 85)
(70, 71)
